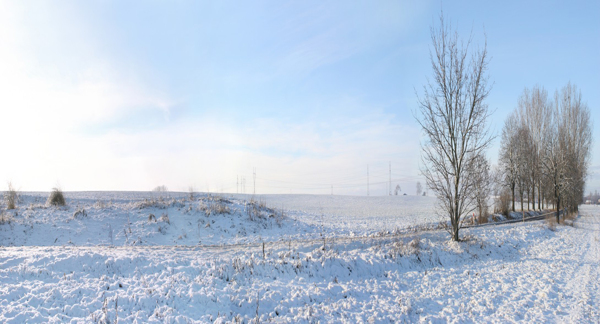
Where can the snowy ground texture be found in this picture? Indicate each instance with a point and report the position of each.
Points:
(56, 266)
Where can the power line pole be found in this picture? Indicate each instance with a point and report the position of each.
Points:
(254, 178)
(237, 184)
(367, 180)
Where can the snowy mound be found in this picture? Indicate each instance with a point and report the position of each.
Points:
(145, 220)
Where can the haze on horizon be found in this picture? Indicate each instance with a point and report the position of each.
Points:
(131, 95)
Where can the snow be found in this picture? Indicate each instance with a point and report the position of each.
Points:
(347, 214)
(57, 268)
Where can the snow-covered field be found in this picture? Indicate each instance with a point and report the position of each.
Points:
(357, 214)
(56, 266)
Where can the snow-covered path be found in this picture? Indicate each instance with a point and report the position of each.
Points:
(585, 282)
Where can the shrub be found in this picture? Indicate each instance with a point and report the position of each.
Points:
(503, 202)
(80, 213)
(56, 198)
(215, 205)
(164, 218)
(5, 218)
(11, 197)
(191, 192)
(482, 219)
(551, 222)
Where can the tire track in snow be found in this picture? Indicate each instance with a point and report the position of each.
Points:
(585, 282)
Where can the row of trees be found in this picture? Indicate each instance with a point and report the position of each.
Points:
(546, 149)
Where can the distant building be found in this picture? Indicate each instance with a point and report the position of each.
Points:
(588, 202)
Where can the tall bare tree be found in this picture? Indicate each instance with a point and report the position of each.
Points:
(569, 151)
(509, 155)
(523, 144)
(534, 111)
(453, 115)
(419, 188)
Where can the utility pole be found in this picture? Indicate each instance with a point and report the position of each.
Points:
(367, 180)
(254, 178)
(237, 184)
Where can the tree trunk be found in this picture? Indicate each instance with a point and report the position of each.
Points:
(539, 195)
(558, 210)
(513, 197)
(533, 197)
(521, 201)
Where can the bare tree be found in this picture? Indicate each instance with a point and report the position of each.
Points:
(453, 116)
(509, 155)
(568, 154)
(419, 188)
(534, 111)
(482, 186)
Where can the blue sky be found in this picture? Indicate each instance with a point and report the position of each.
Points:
(115, 95)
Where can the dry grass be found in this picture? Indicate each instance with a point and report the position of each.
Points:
(101, 204)
(80, 213)
(551, 222)
(165, 218)
(11, 197)
(5, 218)
(569, 218)
(401, 248)
(192, 195)
(159, 203)
(56, 198)
(482, 219)
(502, 203)
(215, 205)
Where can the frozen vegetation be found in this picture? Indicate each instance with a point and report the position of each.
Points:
(102, 258)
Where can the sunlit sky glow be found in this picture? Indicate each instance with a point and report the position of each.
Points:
(128, 95)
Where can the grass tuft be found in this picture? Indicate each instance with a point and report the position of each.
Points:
(11, 197)
(56, 198)
(5, 218)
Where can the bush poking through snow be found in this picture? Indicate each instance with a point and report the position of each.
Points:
(164, 218)
(56, 198)
(503, 202)
(151, 218)
(11, 197)
(401, 249)
(101, 204)
(215, 205)
(5, 218)
(79, 214)
(191, 192)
